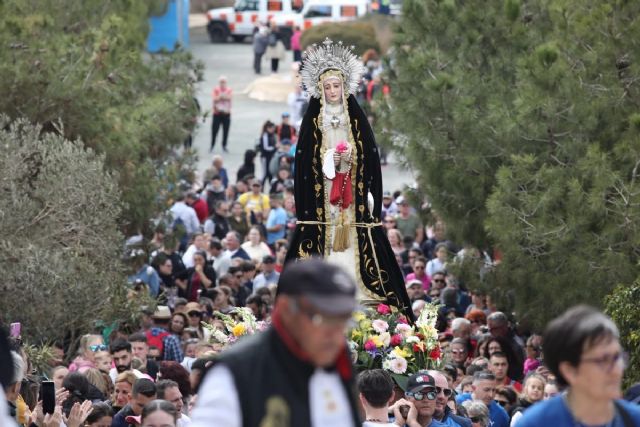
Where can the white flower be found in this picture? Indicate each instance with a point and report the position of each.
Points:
(380, 326)
(386, 365)
(413, 339)
(385, 337)
(398, 365)
(404, 330)
(219, 336)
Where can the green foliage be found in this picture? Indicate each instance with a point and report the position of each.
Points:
(622, 306)
(60, 245)
(82, 64)
(360, 34)
(521, 120)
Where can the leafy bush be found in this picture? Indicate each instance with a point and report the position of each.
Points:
(60, 248)
(622, 306)
(361, 35)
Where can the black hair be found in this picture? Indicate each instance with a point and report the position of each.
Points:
(500, 354)
(78, 387)
(451, 371)
(472, 369)
(99, 410)
(119, 345)
(249, 156)
(145, 387)
(376, 385)
(159, 405)
(163, 385)
(138, 337)
(574, 332)
(215, 244)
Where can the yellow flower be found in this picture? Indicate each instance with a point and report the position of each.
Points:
(238, 330)
(365, 325)
(376, 340)
(402, 352)
(356, 334)
(358, 316)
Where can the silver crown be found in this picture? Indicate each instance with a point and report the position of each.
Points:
(330, 56)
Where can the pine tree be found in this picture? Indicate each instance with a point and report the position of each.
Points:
(522, 121)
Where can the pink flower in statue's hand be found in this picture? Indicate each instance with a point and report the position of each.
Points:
(383, 309)
(341, 147)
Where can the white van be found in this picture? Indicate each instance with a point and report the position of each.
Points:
(322, 11)
(239, 21)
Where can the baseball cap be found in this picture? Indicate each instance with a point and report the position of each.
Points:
(327, 287)
(419, 381)
(268, 259)
(411, 283)
(386, 195)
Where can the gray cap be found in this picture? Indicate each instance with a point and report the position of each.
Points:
(327, 287)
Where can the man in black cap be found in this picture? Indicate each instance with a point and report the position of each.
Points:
(420, 404)
(269, 274)
(298, 372)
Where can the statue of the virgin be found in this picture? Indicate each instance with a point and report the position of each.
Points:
(338, 181)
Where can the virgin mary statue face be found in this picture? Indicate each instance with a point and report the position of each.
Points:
(332, 90)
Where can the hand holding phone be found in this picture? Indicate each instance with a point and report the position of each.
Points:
(48, 397)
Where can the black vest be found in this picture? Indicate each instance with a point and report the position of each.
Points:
(272, 382)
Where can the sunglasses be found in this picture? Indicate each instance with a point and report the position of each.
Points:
(418, 395)
(438, 281)
(195, 314)
(501, 402)
(98, 347)
(447, 391)
(475, 419)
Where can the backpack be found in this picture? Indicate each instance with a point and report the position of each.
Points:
(157, 340)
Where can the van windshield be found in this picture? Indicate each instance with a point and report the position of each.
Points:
(318, 11)
(242, 5)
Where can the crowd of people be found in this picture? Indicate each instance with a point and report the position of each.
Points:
(223, 246)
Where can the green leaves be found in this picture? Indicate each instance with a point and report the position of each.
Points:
(83, 64)
(521, 122)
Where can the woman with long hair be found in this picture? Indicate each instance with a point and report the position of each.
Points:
(255, 245)
(268, 146)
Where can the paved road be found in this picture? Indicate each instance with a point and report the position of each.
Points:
(235, 61)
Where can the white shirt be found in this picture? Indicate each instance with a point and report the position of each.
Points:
(219, 405)
(187, 215)
(221, 264)
(183, 421)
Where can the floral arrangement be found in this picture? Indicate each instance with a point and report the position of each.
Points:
(383, 338)
(243, 324)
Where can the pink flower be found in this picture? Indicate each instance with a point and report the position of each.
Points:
(369, 345)
(380, 326)
(341, 147)
(398, 365)
(383, 309)
(402, 319)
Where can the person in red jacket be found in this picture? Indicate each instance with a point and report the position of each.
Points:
(199, 205)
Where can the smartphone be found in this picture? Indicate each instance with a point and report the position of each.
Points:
(48, 397)
(15, 329)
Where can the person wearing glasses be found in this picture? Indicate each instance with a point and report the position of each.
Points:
(298, 372)
(443, 412)
(478, 413)
(419, 406)
(484, 388)
(89, 345)
(582, 350)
